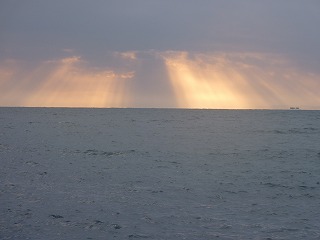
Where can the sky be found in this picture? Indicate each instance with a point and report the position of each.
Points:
(159, 53)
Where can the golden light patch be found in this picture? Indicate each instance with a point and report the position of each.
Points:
(70, 83)
(238, 80)
(192, 80)
(197, 86)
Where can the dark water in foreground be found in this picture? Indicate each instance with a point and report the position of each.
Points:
(159, 174)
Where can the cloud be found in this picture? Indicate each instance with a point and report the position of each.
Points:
(39, 30)
(130, 55)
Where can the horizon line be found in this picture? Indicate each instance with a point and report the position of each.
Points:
(166, 108)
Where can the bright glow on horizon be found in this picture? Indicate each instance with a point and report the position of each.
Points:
(68, 83)
(194, 80)
(238, 81)
(197, 86)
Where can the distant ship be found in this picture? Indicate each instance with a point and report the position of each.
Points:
(294, 108)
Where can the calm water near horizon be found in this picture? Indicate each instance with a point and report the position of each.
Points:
(77, 173)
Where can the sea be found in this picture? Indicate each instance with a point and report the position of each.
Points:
(81, 173)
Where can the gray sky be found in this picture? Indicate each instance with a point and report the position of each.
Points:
(34, 31)
(37, 28)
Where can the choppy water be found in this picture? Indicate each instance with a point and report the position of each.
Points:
(159, 174)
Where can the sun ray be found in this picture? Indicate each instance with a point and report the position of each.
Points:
(238, 80)
(69, 82)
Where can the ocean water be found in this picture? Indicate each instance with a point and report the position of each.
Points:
(159, 174)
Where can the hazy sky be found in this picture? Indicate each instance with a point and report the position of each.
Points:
(160, 53)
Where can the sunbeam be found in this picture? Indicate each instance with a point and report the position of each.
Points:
(69, 83)
(238, 80)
